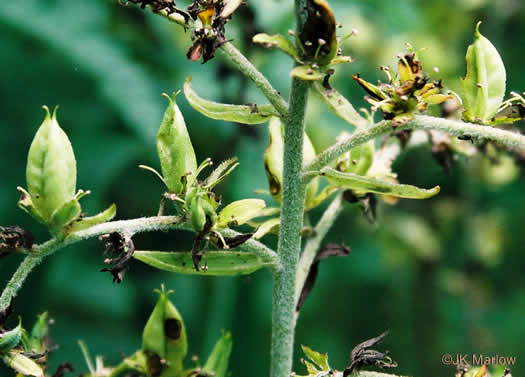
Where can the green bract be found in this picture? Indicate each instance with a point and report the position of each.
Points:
(368, 184)
(220, 263)
(278, 41)
(176, 154)
(239, 212)
(484, 83)
(22, 364)
(247, 114)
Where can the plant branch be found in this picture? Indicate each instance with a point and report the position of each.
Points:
(312, 245)
(128, 227)
(292, 209)
(422, 122)
(260, 81)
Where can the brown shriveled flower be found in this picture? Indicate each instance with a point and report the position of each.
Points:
(118, 250)
(362, 356)
(13, 238)
(407, 92)
(213, 16)
(159, 6)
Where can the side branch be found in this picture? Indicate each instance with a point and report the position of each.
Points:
(260, 81)
(422, 122)
(312, 245)
(128, 227)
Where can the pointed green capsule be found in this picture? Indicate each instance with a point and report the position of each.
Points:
(484, 83)
(164, 339)
(51, 171)
(217, 363)
(273, 161)
(176, 154)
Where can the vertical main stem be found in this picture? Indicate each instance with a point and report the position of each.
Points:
(292, 209)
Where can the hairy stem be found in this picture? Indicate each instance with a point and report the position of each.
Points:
(312, 246)
(422, 122)
(128, 227)
(292, 209)
(260, 81)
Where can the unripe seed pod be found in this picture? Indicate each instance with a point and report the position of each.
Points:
(164, 339)
(51, 171)
(176, 154)
(273, 161)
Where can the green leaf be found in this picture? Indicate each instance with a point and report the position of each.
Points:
(240, 212)
(176, 154)
(88, 222)
(267, 227)
(51, 171)
(340, 106)
(220, 172)
(307, 73)
(278, 41)
(319, 358)
(220, 263)
(245, 114)
(484, 83)
(64, 215)
(11, 338)
(39, 332)
(22, 364)
(378, 186)
(217, 362)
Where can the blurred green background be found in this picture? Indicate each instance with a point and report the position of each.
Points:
(444, 275)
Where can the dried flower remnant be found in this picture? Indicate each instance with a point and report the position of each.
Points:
(118, 250)
(362, 356)
(14, 238)
(328, 250)
(213, 16)
(407, 92)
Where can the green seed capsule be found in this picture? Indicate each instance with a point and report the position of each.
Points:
(176, 154)
(484, 84)
(51, 168)
(164, 339)
(273, 161)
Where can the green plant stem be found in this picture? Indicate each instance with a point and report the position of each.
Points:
(260, 81)
(312, 245)
(421, 122)
(128, 227)
(292, 209)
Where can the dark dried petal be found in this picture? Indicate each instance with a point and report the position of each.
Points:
(361, 356)
(63, 369)
(328, 250)
(201, 243)
(118, 251)
(367, 203)
(443, 155)
(235, 241)
(319, 29)
(160, 5)
(13, 238)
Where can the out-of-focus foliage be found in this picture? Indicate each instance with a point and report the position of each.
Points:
(445, 275)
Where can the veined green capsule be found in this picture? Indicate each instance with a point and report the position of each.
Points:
(484, 83)
(164, 339)
(51, 171)
(273, 161)
(176, 154)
